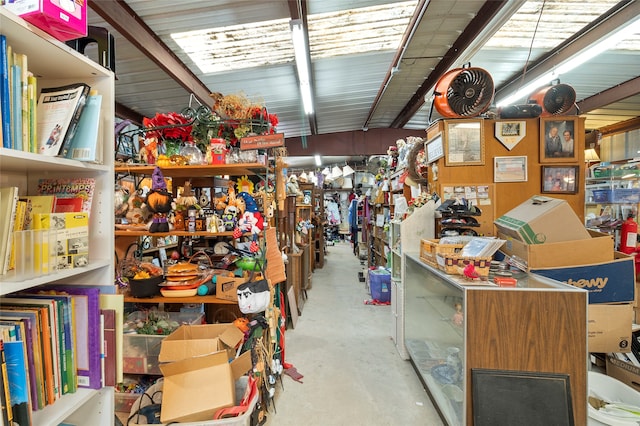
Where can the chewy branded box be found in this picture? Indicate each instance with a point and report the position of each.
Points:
(542, 220)
(609, 328)
(189, 341)
(63, 19)
(195, 388)
(607, 282)
(598, 248)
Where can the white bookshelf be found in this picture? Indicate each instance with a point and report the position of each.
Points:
(56, 64)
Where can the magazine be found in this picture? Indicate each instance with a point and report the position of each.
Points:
(69, 188)
(58, 112)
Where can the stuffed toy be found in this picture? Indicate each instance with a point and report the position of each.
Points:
(393, 154)
(138, 212)
(251, 219)
(159, 202)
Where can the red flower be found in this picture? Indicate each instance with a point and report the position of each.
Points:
(178, 129)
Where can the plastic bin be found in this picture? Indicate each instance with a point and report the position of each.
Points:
(380, 285)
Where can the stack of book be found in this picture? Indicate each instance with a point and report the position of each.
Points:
(58, 121)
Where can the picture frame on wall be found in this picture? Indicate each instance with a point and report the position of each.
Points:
(560, 179)
(510, 169)
(464, 143)
(510, 133)
(434, 148)
(557, 140)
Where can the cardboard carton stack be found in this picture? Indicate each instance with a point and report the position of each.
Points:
(200, 369)
(545, 234)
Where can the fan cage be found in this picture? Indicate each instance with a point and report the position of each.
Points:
(464, 92)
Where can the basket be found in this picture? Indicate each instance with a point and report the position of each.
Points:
(431, 249)
(454, 264)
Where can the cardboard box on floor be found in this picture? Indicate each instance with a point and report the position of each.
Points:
(607, 282)
(541, 220)
(195, 388)
(198, 377)
(609, 327)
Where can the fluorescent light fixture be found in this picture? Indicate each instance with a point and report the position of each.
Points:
(303, 63)
(318, 160)
(572, 63)
(347, 170)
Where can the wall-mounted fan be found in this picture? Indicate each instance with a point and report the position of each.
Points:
(554, 100)
(463, 92)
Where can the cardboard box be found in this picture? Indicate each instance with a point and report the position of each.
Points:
(190, 341)
(63, 19)
(195, 388)
(626, 372)
(609, 328)
(542, 220)
(596, 249)
(226, 287)
(607, 282)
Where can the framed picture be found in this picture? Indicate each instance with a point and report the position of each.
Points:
(434, 148)
(510, 133)
(464, 143)
(557, 140)
(560, 179)
(510, 169)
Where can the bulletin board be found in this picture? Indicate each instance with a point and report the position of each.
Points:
(480, 195)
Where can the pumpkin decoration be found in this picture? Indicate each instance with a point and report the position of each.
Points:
(159, 202)
(163, 161)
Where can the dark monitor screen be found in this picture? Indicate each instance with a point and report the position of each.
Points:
(507, 398)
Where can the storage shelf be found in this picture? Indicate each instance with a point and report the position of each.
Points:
(194, 171)
(191, 299)
(145, 233)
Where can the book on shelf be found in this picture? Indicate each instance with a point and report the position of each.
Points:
(116, 303)
(87, 326)
(18, 225)
(71, 238)
(109, 347)
(69, 188)
(58, 112)
(37, 204)
(5, 399)
(34, 354)
(68, 205)
(32, 92)
(5, 100)
(8, 202)
(19, 386)
(86, 143)
(15, 74)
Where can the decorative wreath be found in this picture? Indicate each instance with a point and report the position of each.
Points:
(417, 165)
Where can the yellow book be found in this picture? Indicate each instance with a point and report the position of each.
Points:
(32, 92)
(68, 239)
(18, 225)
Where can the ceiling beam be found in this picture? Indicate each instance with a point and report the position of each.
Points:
(606, 97)
(486, 13)
(123, 19)
(621, 127)
(126, 113)
(614, 18)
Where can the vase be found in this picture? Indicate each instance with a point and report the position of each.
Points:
(191, 152)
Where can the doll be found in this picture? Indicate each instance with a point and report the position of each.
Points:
(159, 202)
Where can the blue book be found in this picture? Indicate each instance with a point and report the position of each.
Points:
(84, 145)
(5, 102)
(16, 107)
(15, 355)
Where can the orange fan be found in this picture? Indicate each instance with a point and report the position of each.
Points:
(554, 100)
(463, 92)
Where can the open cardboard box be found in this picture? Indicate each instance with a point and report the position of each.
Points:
(541, 220)
(609, 327)
(596, 249)
(189, 341)
(195, 388)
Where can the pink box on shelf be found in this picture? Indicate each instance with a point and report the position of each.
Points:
(63, 19)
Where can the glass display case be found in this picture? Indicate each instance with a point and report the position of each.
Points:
(453, 326)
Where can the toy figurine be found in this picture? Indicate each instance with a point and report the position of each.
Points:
(159, 202)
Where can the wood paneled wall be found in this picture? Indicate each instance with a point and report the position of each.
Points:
(510, 194)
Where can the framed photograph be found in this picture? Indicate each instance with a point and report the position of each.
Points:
(560, 179)
(510, 133)
(510, 169)
(434, 149)
(557, 140)
(464, 143)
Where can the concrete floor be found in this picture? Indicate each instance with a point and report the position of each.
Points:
(353, 374)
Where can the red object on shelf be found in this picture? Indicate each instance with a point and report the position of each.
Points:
(628, 236)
